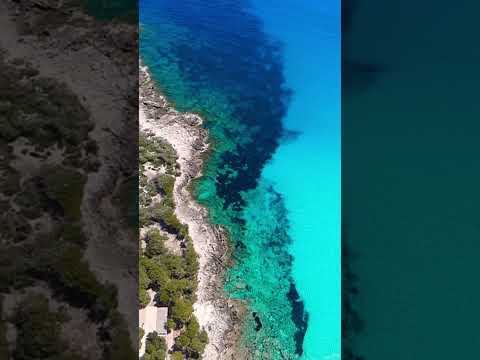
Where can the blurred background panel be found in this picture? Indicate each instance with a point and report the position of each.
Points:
(68, 181)
(410, 180)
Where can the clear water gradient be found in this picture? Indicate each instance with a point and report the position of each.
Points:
(266, 78)
(306, 171)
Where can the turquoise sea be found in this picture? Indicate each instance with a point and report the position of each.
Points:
(265, 76)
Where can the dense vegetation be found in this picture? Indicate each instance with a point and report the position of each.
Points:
(173, 277)
(155, 348)
(39, 331)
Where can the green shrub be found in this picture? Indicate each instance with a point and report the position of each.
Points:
(143, 297)
(170, 325)
(182, 341)
(143, 217)
(155, 347)
(157, 274)
(126, 198)
(155, 243)
(66, 187)
(120, 346)
(39, 331)
(72, 233)
(192, 341)
(165, 184)
(173, 290)
(191, 259)
(70, 275)
(177, 355)
(143, 284)
(175, 265)
(157, 152)
(163, 213)
(182, 311)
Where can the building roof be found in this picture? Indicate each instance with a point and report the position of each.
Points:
(153, 318)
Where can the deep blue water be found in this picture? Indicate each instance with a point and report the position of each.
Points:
(265, 78)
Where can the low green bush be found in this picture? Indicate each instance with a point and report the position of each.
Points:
(155, 243)
(155, 347)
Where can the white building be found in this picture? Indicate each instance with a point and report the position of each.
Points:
(152, 318)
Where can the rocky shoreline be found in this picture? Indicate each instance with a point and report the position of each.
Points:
(219, 316)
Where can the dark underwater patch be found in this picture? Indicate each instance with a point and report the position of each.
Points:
(289, 136)
(299, 317)
(258, 322)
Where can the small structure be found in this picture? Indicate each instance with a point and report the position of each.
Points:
(152, 318)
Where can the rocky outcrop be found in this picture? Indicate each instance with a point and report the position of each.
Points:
(220, 316)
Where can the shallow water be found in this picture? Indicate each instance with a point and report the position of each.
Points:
(254, 71)
(306, 171)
